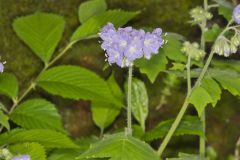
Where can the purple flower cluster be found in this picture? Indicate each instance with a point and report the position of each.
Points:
(236, 14)
(124, 45)
(2, 66)
(23, 157)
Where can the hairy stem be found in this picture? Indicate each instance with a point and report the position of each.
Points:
(32, 84)
(129, 102)
(202, 145)
(188, 66)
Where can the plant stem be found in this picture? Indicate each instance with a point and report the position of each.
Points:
(129, 102)
(188, 66)
(202, 145)
(32, 84)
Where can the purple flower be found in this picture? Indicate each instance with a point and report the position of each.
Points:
(236, 14)
(2, 66)
(125, 45)
(23, 157)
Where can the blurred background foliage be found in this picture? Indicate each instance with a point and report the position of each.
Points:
(223, 127)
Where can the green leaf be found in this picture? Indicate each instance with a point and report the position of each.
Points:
(105, 113)
(172, 49)
(152, 67)
(37, 114)
(230, 84)
(48, 138)
(34, 150)
(184, 156)
(212, 34)
(213, 89)
(4, 120)
(120, 147)
(91, 8)
(9, 85)
(226, 12)
(2, 107)
(91, 27)
(189, 125)
(200, 98)
(139, 102)
(76, 83)
(41, 32)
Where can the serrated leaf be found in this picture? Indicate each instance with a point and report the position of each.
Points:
(48, 138)
(200, 98)
(91, 27)
(91, 8)
(105, 113)
(41, 32)
(120, 147)
(76, 83)
(189, 125)
(4, 120)
(34, 150)
(37, 114)
(9, 85)
(213, 89)
(139, 101)
(152, 67)
(172, 49)
(184, 156)
(212, 34)
(230, 84)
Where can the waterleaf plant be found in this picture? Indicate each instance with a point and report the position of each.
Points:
(31, 128)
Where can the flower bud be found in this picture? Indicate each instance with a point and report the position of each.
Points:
(192, 49)
(199, 15)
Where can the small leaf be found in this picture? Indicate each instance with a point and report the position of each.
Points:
(48, 138)
(152, 67)
(76, 83)
(120, 147)
(41, 32)
(178, 67)
(213, 89)
(2, 107)
(91, 8)
(230, 84)
(226, 12)
(212, 34)
(37, 114)
(9, 85)
(139, 101)
(200, 98)
(105, 113)
(190, 125)
(34, 150)
(184, 156)
(91, 27)
(4, 120)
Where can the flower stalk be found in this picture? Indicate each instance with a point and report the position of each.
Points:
(129, 102)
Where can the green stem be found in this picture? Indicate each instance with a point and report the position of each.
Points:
(129, 102)
(202, 145)
(188, 66)
(32, 84)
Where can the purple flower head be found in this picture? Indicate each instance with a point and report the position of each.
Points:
(23, 157)
(125, 45)
(2, 66)
(236, 14)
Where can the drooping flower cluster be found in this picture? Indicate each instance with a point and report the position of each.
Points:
(124, 45)
(2, 66)
(192, 49)
(236, 14)
(23, 157)
(225, 47)
(199, 15)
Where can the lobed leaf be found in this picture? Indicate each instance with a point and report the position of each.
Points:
(4, 120)
(37, 114)
(212, 34)
(230, 84)
(9, 85)
(41, 32)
